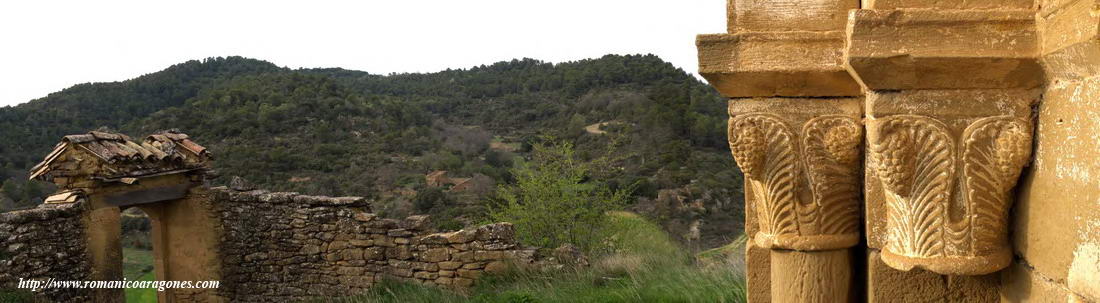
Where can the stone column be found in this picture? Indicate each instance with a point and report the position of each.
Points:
(795, 132)
(949, 88)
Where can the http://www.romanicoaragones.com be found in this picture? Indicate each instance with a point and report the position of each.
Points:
(36, 285)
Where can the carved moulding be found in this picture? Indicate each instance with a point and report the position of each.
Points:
(947, 203)
(805, 185)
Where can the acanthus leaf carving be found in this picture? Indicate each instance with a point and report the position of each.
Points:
(832, 153)
(778, 170)
(995, 149)
(765, 150)
(947, 205)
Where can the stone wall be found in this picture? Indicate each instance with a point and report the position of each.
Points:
(43, 243)
(286, 246)
(1056, 228)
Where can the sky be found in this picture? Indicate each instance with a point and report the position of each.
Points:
(46, 46)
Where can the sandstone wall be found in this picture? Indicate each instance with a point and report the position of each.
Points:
(287, 246)
(43, 243)
(1056, 229)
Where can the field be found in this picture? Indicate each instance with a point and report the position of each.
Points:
(137, 264)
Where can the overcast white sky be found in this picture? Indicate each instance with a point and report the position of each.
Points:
(46, 46)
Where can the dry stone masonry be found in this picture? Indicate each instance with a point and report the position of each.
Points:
(972, 122)
(262, 246)
(43, 243)
(286, 246)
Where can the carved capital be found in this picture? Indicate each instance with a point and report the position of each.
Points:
(803, 178)
(947, 197)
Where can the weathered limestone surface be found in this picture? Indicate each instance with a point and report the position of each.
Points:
(1057, 218)
(816, 276)
(788, 15)
(944, 49)
(981, 124)
(47, 242)
(767, 64)
(795, 132)
(886, 284)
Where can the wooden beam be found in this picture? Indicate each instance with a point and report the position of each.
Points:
(151, 195)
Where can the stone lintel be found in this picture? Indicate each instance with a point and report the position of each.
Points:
(788, 15)
(943, 49)
(792, 64)
(949, 4)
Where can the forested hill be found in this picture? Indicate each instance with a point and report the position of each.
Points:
(343, 132)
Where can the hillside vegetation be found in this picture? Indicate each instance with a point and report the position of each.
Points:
(344, 132)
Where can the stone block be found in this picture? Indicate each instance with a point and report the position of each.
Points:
(446, 273)
(789, 64)
(435, 255)
(1070, 45)
(757, 273)
(885, 284)
(399, 253)
(449, 265)
(1056, 221)
(501, 232)
(374, 253)
(364, 216)
(812, 276)
(789, 15)
(352, 254)
(1068, 23)
(933, 49)
(434, 239)
(465, 256)
(1022, 284)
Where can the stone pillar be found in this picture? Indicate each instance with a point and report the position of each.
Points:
(795, 131)
(949, 88)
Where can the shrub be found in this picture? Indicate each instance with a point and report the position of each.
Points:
(554, 202)
(429, 198)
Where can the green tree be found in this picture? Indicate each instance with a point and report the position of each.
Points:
(554, 202)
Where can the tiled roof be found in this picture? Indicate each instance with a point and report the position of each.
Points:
(158, 153)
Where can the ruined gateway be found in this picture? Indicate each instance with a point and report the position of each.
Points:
(915, 150)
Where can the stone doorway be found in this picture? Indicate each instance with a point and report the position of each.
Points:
(163, 177)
